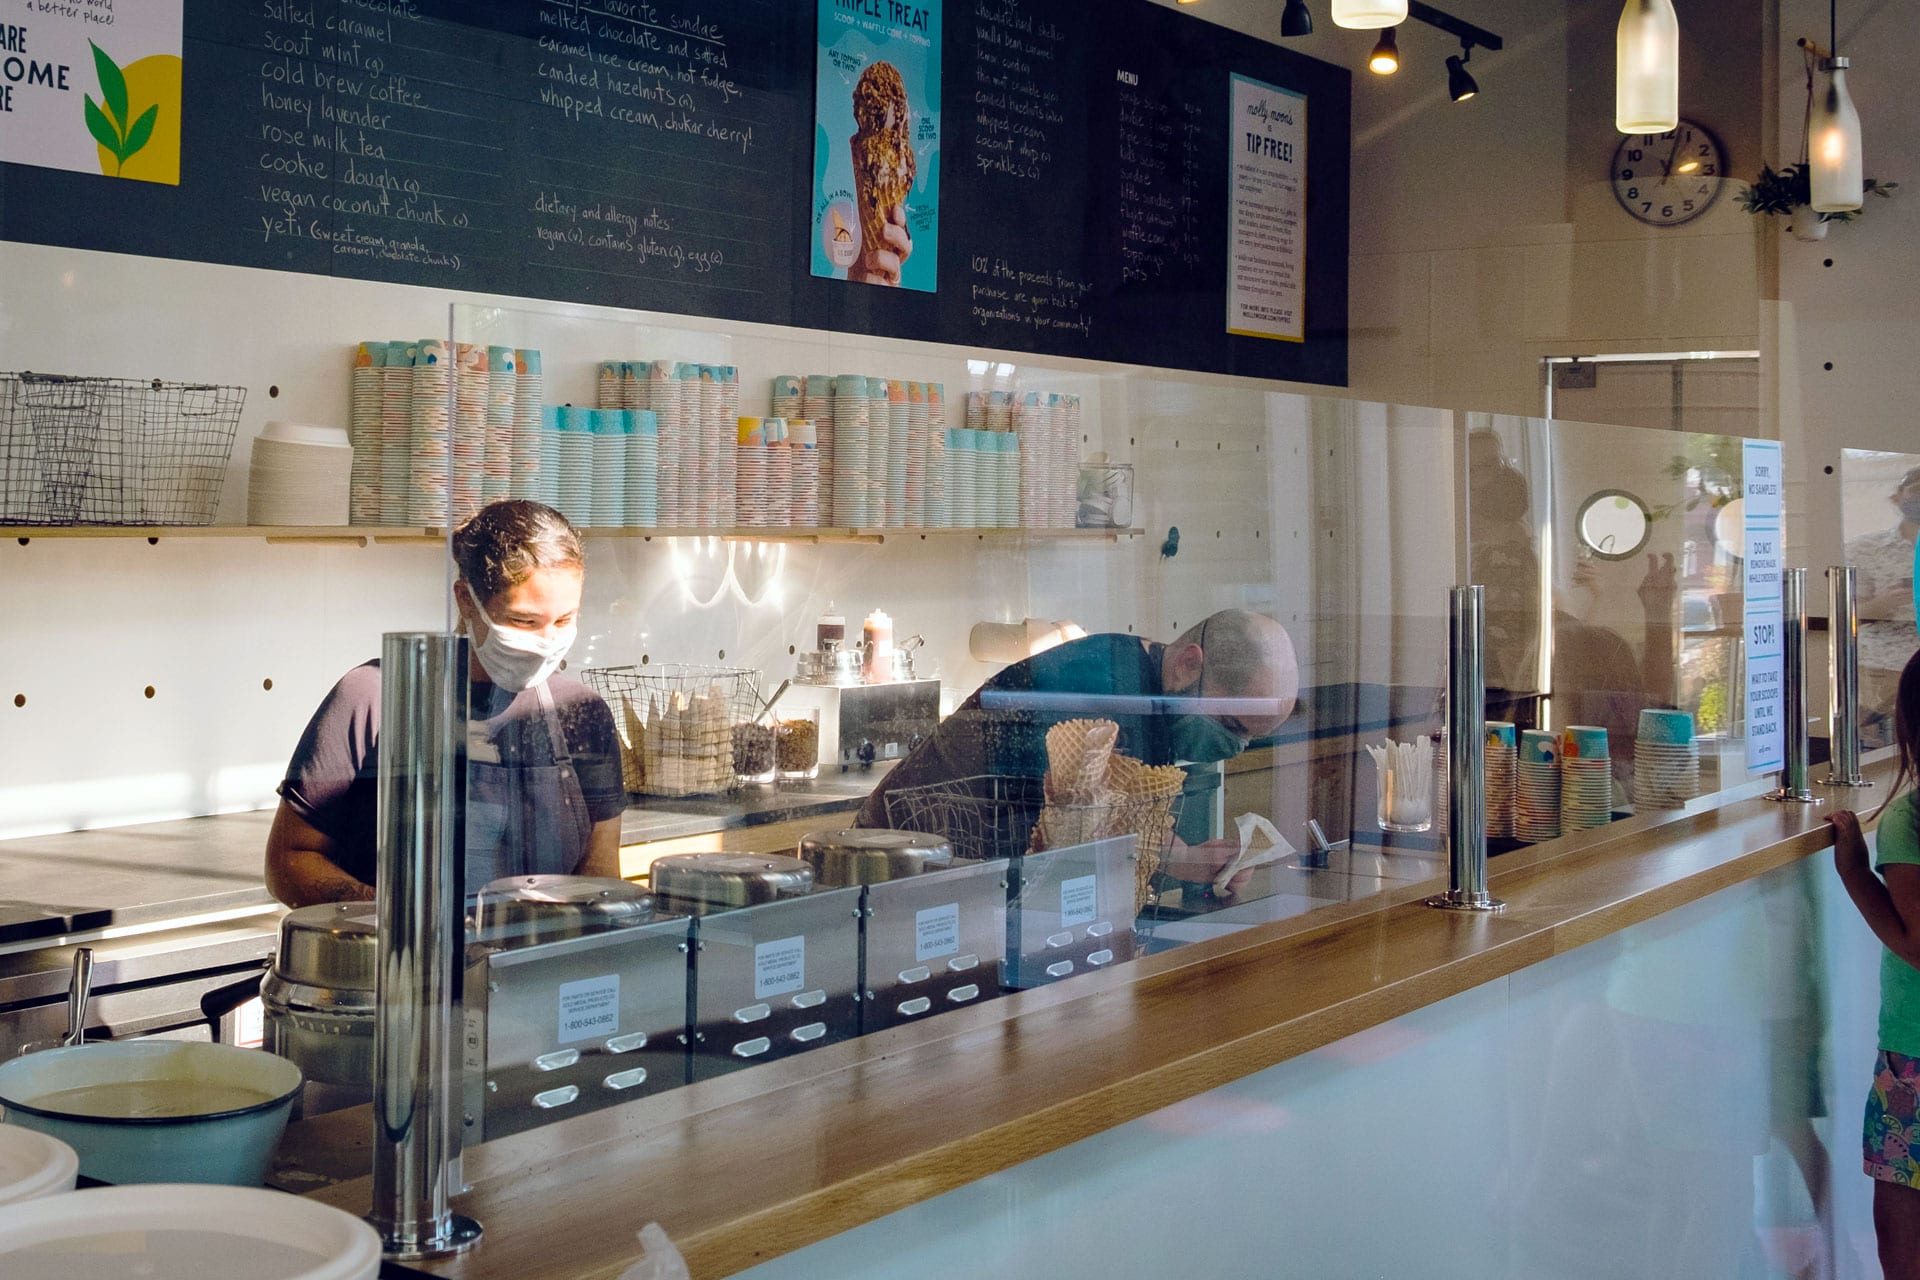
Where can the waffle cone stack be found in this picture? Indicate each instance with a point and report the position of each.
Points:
(1093, 793)
(633, 747)
(883, 161)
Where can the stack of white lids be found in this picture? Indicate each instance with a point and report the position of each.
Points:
(166, 1232)
(300, 475)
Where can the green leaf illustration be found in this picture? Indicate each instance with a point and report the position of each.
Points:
(141, 131)
(113, 85)
(101, 128)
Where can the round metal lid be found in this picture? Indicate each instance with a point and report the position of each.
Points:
(869, 855)
(330, 944)
(700, 882)
(524, 910)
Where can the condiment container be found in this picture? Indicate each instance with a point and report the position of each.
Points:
(171, 1232)
(156, 1110)
(831, 630)
(319, 1002)
(876, 644)
(700, 883)
(871, 855)
(525, 911)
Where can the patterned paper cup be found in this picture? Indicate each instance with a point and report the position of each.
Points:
(1666, 728)
(1583, 742)
(1539, 746)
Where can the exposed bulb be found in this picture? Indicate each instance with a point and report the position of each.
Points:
(1385, 58)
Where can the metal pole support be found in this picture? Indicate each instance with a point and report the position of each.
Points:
(1843, 679)
(422, 801)
(1466, 755)
(1793, 787)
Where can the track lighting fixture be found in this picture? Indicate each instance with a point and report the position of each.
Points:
(1296, 19)
(1385, 58)
(1460, 82)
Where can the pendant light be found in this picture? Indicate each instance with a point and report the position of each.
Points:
(1833, 134)
(1646, 74)
(1365, 15)
(1385, 58)
(1296, 19)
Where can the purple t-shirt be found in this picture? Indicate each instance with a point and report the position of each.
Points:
(333, 779)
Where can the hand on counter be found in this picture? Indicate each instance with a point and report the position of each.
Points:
(1200, 863)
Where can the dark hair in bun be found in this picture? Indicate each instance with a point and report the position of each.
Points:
(502, 545)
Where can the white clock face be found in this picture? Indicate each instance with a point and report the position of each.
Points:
(1668, 178)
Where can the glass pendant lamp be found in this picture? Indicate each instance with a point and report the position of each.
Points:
(1646, 83)
(1365, 15)
(1833, 142)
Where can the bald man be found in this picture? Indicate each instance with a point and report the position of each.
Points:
(1200, 699)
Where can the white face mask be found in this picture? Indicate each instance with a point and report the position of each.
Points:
(519, 659)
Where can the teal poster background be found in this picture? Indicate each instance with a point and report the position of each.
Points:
(853, 36)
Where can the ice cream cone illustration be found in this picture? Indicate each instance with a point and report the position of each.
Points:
(883, 162)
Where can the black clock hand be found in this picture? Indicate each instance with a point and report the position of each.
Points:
(1666, 166)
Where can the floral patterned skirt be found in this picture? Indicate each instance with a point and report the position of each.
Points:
(1893, 1120)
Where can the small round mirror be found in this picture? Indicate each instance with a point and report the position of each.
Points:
(1614, 524)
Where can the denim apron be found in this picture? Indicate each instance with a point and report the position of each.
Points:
(525, 819)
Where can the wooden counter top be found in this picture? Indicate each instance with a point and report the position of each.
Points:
(753, 1165)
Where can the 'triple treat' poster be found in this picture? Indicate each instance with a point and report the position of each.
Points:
(93, 87)
(1266, 255)
(876, 153)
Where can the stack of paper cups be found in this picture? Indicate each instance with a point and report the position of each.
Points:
(852, 445)
(976, 415)
(529, 390)
(779, 470)
(999, 411)
(606, 391)
(496, 480)
(805, 447)
(431, 435)
(1586, 778)
(663, 397)
(396, 434)
(1442, 791)
(363, 432)
(1067, 485)
(918, 420)
(751, 475)
(1666, 760)
(635, 391)
(547, 479)
(788, 401)
(1009, 514)
(575, 498)
(1502, 761)
(879, 440)
(1536, 814)
(609, 467)
(816, 406)
(934, 513)
(469, 428)
(729, 412)
(643, 468)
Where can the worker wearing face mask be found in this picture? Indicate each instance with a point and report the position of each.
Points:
(1200, 699)
(544, 792)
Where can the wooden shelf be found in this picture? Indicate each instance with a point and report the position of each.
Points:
(342, 535)
(360, 535)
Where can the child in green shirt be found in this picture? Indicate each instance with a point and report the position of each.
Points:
(1890, 903)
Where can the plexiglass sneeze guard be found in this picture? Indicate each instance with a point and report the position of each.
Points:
(1107, 641)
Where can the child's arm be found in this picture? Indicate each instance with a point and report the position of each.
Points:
(1891, 907)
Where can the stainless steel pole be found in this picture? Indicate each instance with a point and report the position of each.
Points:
(422, 799)
(1466, 755)
(1793, 688)
(1843, 679)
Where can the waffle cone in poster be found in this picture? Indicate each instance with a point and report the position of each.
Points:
(883, 162)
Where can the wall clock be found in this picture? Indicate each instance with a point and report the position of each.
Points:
(1665, 179)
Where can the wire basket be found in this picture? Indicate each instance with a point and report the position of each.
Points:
(676, 723)
(113, 450)
(1006, 816)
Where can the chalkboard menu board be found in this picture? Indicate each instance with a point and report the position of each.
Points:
(657, 154)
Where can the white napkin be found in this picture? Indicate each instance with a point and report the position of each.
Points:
(1277, 848)
(659, 1261)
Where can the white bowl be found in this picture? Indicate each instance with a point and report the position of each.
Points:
(174, 1232)
(304, 433)
(34, 1164)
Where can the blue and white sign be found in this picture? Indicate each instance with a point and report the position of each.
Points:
(1761, 548)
